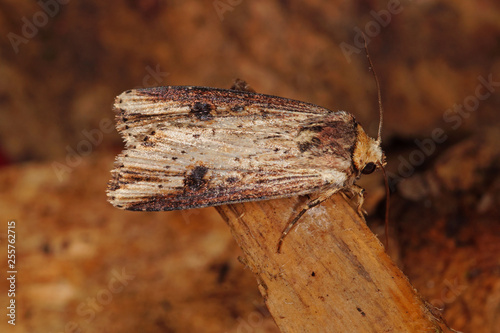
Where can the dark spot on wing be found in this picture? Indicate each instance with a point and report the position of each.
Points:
(238, 108)
(196, 136)
(113, 186)
(306, 145)
(202, 111)
(316, 129)
(232, 180)
(316, 126)
(195, 180)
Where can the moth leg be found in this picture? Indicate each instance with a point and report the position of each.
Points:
(304, 209)
(355, 191)
(241, 85)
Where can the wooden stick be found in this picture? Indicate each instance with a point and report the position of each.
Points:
(332, 275)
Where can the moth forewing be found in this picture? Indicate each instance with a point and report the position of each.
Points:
(188, 147)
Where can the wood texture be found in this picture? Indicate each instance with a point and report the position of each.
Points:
(332, 275)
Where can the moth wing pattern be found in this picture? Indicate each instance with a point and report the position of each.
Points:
(189, 147)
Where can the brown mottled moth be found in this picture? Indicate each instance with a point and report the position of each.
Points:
(190, 147)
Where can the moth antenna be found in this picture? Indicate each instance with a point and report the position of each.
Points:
(387, 204)
(381, 110)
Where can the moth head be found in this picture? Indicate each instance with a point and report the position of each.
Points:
(367, 155)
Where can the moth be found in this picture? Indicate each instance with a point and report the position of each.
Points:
(191, 147)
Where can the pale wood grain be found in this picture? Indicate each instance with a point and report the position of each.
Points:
(332, 275)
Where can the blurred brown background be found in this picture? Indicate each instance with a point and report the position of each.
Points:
(84, 266)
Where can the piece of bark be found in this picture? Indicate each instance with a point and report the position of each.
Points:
(332, 274)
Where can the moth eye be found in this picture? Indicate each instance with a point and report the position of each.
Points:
(369, 168)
